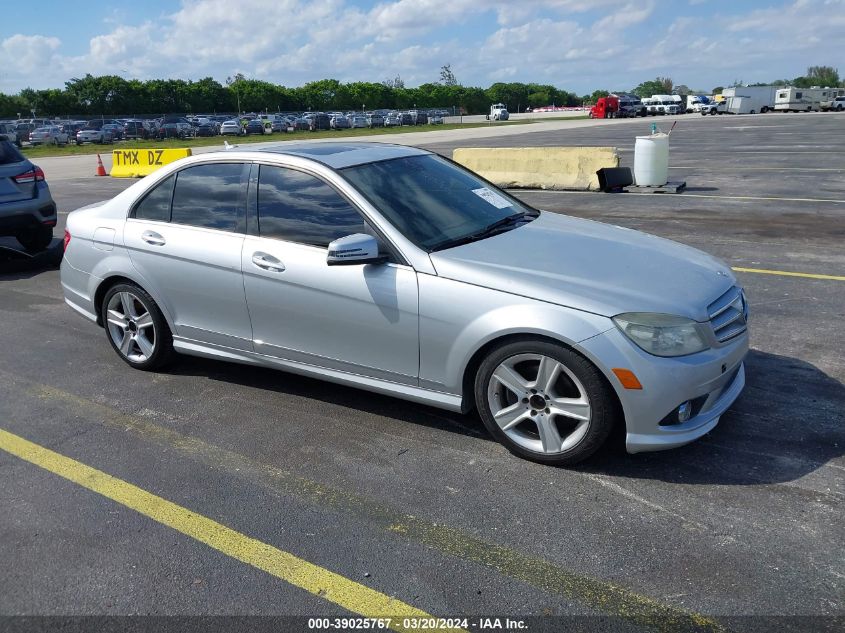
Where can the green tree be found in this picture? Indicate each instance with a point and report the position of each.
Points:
(718, 90)
(598, 94)
(825, 76)
(657, 86)
(447, 77)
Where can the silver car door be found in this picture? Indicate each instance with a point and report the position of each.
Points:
(189, 251)
(357, 318)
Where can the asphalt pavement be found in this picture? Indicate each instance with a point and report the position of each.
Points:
(742, 530)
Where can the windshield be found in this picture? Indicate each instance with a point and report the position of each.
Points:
(432, 201)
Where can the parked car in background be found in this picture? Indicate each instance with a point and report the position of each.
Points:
(714, 107)
(27, 210)
(301, 124)
(137, 129)
(391, 119)
(94, 132)
(418, 117)
(254, 126)
(206, 128)
(279, 125)
(71, 128)
(176, 129)
(318, 121)
(358, 121)
(435, 119)
(115, 129)
(231, 127)
(405, 118)
(48, 135)
(375, 120)
(9, 130)
(837, 104)
(339, 122)
(22, 130)
(395, 270)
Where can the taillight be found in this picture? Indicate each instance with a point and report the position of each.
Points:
(66, 240)
(32, 175)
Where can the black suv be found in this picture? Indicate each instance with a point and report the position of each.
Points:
(27, 210)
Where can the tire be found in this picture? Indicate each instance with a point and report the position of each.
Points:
(839, 108)
(764, 109)
(150, 343)
(540, 434)
(35, 239)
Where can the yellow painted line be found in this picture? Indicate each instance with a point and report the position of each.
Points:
(776, 198)
(786, 273)
(597, 594)
(283, 565)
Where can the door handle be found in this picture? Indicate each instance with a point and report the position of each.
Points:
(267, 262)
(151, 237)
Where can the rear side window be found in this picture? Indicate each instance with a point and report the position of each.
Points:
(299, 207)
(156, 204)
(9, 153)
(209, 196)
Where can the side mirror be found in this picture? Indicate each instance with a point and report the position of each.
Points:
(359, 248)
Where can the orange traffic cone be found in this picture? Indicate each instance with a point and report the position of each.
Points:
(101, 171)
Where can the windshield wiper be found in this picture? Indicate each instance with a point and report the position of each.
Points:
(487, 231)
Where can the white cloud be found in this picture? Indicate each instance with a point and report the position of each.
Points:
(575, 44)
(26, 53)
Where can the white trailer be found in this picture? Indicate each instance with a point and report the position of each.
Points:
(791, 99)
(750, 99)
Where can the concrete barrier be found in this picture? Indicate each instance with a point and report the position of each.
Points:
(571, 168)
(134, 163)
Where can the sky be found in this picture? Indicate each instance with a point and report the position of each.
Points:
(575, 45)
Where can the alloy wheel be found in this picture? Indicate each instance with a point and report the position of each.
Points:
(131, 327)
(539, 403)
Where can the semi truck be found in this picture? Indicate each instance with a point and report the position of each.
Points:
(749, 99)
(617, 106)
(498, 112)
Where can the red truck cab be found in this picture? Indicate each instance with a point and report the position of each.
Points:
(605, 108)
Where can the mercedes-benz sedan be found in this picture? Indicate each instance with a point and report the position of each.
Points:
(395, 270)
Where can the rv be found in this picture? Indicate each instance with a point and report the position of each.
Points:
(750, 99)
(804, 99)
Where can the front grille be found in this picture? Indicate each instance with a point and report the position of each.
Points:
(729, 315)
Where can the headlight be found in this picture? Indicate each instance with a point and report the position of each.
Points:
(662, 334)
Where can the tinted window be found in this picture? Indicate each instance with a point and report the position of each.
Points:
(156, 204)
(298, 207)
(209, 196)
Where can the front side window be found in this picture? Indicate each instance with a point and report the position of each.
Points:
(156, 204)
(298, 207)
(209, 196)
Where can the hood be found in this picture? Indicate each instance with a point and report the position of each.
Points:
(591, 266)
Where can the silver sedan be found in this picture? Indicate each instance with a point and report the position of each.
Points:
(392, 269)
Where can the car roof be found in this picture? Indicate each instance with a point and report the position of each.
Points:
(338, 155)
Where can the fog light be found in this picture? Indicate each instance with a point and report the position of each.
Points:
(685, 411)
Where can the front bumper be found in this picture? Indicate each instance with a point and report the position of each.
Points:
(713, 379)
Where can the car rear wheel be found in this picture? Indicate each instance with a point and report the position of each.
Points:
(35, 239)
(544, 402)
(136, 328)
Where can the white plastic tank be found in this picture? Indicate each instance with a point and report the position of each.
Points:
(651, 160)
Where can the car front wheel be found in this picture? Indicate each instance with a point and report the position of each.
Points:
(544, 402)
(136, 327)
